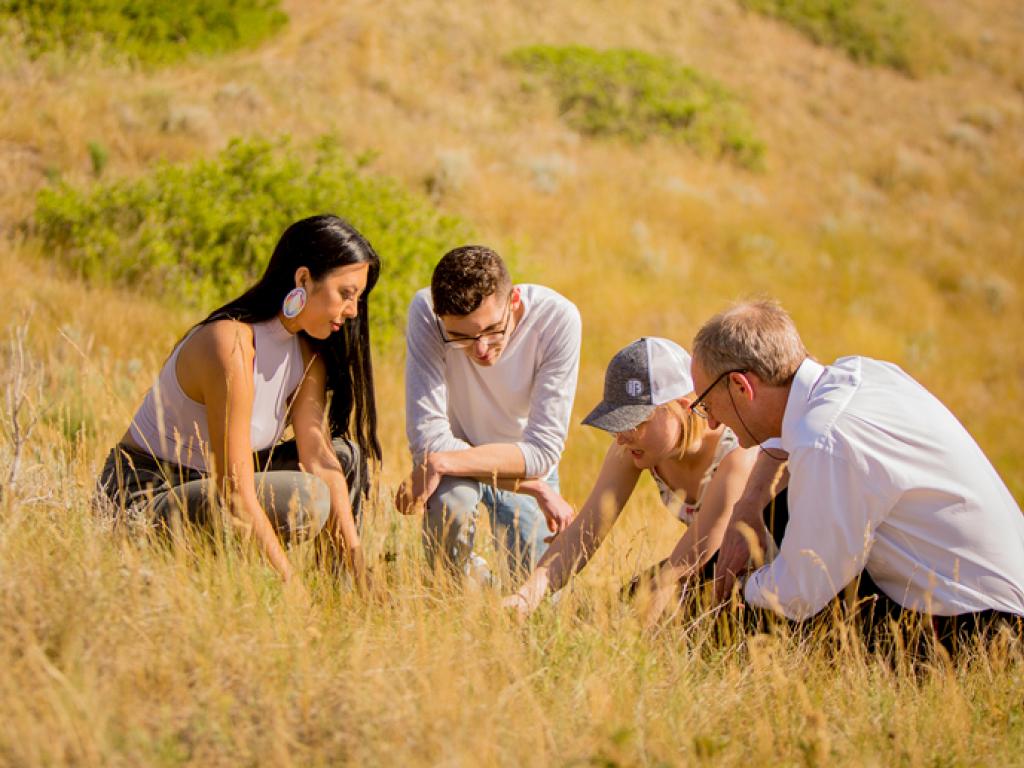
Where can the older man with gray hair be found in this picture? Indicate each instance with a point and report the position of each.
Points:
(884, 484)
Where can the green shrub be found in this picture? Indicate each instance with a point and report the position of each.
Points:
(204, 232)
(622, 92)
(150, 31)
(893, 33)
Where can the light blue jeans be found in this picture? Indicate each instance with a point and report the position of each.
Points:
(517, 523)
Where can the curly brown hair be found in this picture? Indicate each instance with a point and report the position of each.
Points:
(466, 276)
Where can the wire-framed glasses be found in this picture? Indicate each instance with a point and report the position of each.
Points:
(699, 406)
(490, 338)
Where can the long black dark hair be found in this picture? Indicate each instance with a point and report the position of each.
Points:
(322, 243)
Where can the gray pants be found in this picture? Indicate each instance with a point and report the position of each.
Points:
(517, 523)
(137, 485)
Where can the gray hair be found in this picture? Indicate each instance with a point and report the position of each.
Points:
(756, 336)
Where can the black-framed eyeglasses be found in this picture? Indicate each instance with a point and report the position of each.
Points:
(490, 338)
(699, 407)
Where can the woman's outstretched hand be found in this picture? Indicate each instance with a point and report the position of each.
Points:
(525, 601)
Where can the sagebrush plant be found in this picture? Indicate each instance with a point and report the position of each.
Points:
(635, 94)
(148, 31)
(202, 232)
(901, 34)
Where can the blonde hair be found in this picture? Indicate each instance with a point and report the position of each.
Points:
(692, 428)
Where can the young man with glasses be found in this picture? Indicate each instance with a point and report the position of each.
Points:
(490, 378)
(887, 492)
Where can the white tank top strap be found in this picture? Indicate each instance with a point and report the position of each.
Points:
(173, 427)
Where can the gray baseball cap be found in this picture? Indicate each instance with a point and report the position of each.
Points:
(648, 373)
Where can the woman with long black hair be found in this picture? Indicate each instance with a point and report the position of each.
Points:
(293, 349)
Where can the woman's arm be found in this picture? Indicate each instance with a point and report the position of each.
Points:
(317, 457)
(704, 535)
(221, 366)
(572, 548)
(747, 517)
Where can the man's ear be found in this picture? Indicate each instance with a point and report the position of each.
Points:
(745, 383)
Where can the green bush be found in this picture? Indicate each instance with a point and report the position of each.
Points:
(622, 92)
(150, 31)
(893, 33)
(202, 233)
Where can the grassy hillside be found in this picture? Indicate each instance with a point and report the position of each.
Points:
(888, 215)
(148, 32)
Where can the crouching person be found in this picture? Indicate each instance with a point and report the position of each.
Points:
(293, 350)
(700, 473)
(490, 377)
(887, 492)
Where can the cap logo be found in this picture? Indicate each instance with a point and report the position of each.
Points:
(634, 387)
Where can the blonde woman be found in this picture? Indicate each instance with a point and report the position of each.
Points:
(699, 472)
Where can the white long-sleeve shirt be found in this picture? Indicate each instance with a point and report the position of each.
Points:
(884, 478)
(525, 398)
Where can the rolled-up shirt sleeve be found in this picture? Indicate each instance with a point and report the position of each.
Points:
(553, 392)
(833, 515)
(426, 394)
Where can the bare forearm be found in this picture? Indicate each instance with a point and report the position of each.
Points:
(761, 485)
(781, 480)
(746, 527)
(568, 554)
(693, 550)
(533, 487)
(501, 460)
(565, 555)
(341, 524)
(248, 509)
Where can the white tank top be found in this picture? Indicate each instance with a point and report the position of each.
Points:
(173, 427)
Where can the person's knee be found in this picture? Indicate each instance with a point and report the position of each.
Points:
(454, 498)
(319, 504)
(451, 508)
(191, 502)
(298, 503)
(449, 521)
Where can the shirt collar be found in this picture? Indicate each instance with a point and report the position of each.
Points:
(804, 379)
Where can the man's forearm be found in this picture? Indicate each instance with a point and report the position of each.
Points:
(494, 460)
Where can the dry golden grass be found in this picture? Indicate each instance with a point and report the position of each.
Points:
(889, 219)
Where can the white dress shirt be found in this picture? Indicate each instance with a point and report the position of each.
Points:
(884, 478)
(524, 398)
